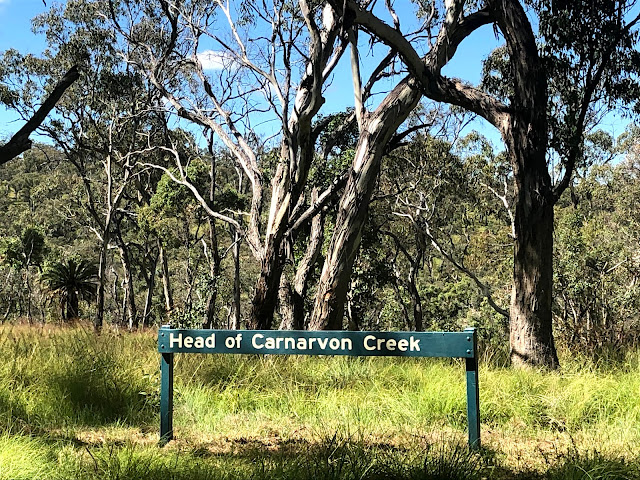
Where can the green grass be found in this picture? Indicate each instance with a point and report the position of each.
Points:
(77, 405)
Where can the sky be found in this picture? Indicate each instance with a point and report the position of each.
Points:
(15, 32)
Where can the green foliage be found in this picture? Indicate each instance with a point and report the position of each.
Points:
(71, 281)
(27, 251)
(596, 261)
(591, 63)
(431, 193)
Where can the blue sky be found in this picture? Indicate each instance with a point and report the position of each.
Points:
(16, 15)
(15, 32)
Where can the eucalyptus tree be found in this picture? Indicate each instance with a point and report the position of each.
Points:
(102, 126)
(230, 68)
(583, 59)
(23, 253)
(377, 129)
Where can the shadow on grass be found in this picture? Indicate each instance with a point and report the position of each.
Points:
(92, 396)
(333, 458)
(330, 459)
(13, 414)
(595, 466)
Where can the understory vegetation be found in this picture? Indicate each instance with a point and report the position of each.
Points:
(74, 405)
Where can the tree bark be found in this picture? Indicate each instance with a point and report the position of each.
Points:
(214, 255)
(307, 265)
(166, 280)
(151, 282)
(148, 298)
(285, 302)
(130, 296)
(531, 336)
(414, 295)
(102, 274)
(214, 274)
(235, 307)
(266, 291)
(297, 153)
(352, 212)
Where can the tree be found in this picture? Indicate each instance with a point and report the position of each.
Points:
(597, 265)
(376, 131)
(71, 281)
(103, 127)
(23, 253)
(20, 142)
(596, 66)
(262, 78)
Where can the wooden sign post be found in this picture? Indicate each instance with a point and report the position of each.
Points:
(288, 342)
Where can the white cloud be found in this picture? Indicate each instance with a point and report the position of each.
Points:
(212, 60)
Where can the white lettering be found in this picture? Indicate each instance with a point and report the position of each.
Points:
(391, 344)
(323, 342)
(199, 343)
(403, 344)
(279, 343)
(254, 341)
(188, 342)
(210, 342)
(270, 343)
(347, 344)
(289, 343)
(173, 340)
(414, 344)
(334, 344)
(311, 340)
(366, 342)
(238, 340)
(302, 344)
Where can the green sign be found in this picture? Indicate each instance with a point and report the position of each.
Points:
(394, 344)
(286, 342)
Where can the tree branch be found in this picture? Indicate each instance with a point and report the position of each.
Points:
(20, 142)
(426, 70)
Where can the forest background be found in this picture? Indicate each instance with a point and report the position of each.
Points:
(145, 201)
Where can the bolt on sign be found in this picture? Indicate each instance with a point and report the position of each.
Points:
(280, 342)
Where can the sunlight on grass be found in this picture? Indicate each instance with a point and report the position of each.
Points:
(77, 405)
(24, 458)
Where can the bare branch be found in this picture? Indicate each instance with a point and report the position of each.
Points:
(322, 201)
(20, 141)
(185, 183)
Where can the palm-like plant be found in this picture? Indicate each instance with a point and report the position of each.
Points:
(71, 281)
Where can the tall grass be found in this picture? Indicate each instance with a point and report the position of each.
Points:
(67, 378)
(78, 405)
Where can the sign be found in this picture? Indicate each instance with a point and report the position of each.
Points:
(287, 342)
(283, 342)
